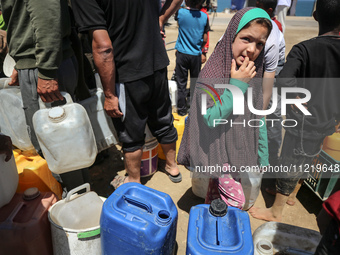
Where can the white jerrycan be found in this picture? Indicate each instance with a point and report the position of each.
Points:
(9, 180)
(4, 83)
(12, 118)
(65, 136)
(102, 125)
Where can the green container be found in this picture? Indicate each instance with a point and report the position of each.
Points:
(323, 175)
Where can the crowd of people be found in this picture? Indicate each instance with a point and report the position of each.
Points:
(129, 55)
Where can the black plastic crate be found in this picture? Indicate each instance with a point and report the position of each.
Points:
(323, 175)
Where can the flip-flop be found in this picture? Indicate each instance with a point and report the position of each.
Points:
(174, 178)
(117, 181)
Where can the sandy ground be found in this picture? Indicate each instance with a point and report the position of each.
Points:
(303, 214)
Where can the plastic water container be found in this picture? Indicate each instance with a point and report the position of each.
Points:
(34, 172)
(285, 239)
(150, 155)
(4, 83)
(331, 145)
(179, 124)
(251, 185)
(66, 137)
(12, 118)
(101, 123)
(218, 229)
(9, 179)
(199, 184)
(138, 220)
(24, 225)
(75, 223)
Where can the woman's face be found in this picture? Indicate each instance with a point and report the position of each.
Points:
(249, 42)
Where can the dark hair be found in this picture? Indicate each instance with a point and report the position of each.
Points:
(328, 13)
(268, 4)
(194, 3)
(261, 21)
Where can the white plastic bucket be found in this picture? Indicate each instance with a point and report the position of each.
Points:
(150, 154)
(75, 223)
(66, 137)
(287, 238)
(9, 180)
(102, 125)
(13, 120)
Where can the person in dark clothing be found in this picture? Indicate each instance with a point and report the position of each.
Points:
(193, 27)
(313, 65)
(131, 59)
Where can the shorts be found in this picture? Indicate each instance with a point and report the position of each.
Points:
(147, 101)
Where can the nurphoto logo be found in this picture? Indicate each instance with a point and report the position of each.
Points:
(238, 104)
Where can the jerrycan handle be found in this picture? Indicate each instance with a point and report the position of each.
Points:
(138, 202)
(75, 190)
(66, 95)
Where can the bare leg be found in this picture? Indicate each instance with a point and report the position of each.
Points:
(292, 197)
(273, 213)
(132, 165)
(170, 155)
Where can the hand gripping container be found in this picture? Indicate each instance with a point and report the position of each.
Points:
(219, 229)
(138, 220)
(65, 136)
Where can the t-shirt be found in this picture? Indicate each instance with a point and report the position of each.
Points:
(284, 2)
(314, 65)
(192, 24)
(278, 23)
(274, 50)
(133, 27)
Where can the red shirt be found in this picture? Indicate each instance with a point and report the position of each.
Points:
(277, 23)
(332, 207)
(206, 46)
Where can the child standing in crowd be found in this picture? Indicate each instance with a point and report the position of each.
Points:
(234, 61)
(313, 65)
(281, 12)
(193, 26)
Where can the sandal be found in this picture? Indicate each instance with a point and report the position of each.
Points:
(174, 178)
(117, 181)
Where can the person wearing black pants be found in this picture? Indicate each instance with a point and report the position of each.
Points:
(185, 63)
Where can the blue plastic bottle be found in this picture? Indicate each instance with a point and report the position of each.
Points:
(138, 220)
(219, 229)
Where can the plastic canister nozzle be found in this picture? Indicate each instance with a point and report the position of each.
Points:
(218, 208)
(56, 114)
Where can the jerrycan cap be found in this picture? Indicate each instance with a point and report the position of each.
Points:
(218, 208)
(31, 193)
(56, 113)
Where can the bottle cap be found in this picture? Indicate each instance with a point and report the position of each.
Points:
(218, 208)
(31, 193)
(56, 113)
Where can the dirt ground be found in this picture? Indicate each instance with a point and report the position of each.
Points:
(302, 214)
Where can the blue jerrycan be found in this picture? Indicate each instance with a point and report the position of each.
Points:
(138, 220)
(219, 229)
